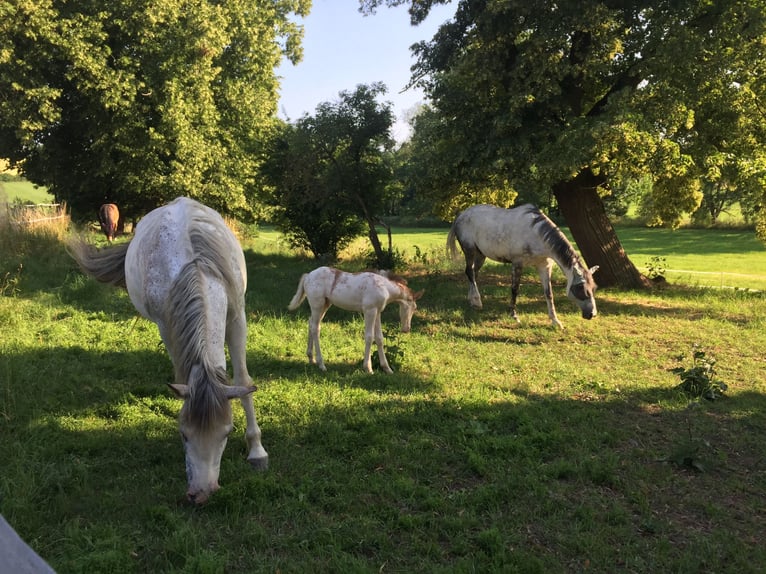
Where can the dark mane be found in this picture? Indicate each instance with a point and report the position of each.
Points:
(553, 237)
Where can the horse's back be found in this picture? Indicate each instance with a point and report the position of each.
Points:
(500, 234)
(349, 291)
(163, 245)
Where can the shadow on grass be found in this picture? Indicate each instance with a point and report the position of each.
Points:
(381, 474)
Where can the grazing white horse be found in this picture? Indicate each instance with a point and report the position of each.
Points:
(185, 270)
(366, 292)
(521, 236)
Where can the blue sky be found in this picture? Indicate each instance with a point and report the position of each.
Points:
(342, 48)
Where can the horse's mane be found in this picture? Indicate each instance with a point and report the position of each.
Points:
(187, 315)
(553, 237)
(391, 276)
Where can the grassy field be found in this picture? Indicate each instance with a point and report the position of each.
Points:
(493, 447)
(732, 258)
(25, 191)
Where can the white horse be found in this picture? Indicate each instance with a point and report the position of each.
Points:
(366, 292)
(185, 270)
(521, 236)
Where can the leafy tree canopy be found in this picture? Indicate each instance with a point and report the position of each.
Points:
(138, 101)
(329, 171)
(576, 97)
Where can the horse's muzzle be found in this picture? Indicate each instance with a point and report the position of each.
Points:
(201, 497)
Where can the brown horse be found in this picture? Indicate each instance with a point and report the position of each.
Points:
(109, 217)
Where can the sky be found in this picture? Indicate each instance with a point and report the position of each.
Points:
(342, 48)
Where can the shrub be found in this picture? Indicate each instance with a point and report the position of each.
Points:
(699, 380)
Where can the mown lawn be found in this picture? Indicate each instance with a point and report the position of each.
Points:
(495, 446)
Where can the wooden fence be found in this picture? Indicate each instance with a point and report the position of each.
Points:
(28, 215)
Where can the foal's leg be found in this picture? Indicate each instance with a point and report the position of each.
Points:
(545, 279)
(379, 342)
(369, 331)
(236, 337)
(315, 326)
(516, 270)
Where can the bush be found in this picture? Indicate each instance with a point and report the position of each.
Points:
(699, 380)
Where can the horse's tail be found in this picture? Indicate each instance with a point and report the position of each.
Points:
(105, 265)
(299, 296)
(452, 240)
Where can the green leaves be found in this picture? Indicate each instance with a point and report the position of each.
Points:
(328, 172)
(700, 380)
(537, 93)
(138, 102)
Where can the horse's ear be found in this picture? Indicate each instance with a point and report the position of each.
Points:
(593, 269)
(181, 391)
(237, 392)
(418, 295)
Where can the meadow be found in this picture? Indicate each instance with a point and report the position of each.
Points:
(494, 446)
(25, 191)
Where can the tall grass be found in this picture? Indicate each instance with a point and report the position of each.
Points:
(493, 447)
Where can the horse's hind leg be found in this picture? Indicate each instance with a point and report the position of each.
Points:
(236, 337)
(315, 327)
(369, 336)
(516, 270)
(474, 259)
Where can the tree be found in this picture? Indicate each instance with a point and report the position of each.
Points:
(138, 102)
(312, 215)
(574, 98)
(333, 166)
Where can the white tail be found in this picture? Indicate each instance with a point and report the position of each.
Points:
(299, 296)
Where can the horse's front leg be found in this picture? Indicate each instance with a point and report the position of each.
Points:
(369, 336)
(379, 342)
(236, 337)
(545, 279)
(516, 270)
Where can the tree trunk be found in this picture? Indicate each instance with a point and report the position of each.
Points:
(372, 233)
(594, 234)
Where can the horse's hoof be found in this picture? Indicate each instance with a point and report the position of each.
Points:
(259, 464)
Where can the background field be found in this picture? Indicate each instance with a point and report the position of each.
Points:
(25, 191)
(731, 258)
(494, 446)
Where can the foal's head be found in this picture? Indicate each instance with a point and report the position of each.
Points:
(205, 423)
(407, 307)
(580, 289)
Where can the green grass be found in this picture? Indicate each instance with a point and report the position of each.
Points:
(25, 191)
(732, 258)
(493, 447)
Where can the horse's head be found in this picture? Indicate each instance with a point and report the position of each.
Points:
(205, 423)
(580, 289)
(407, 308)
